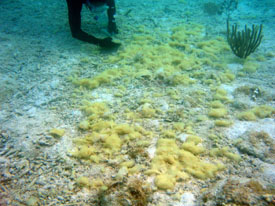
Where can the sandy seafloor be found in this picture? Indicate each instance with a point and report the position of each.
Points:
(40, 65)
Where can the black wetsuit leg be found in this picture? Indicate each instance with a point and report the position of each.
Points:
(74, 12)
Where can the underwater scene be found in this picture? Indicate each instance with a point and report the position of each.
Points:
(137, 103)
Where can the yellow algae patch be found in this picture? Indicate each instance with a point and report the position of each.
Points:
(84, 125)
(225, 152)
(88, 83)
(112, 142)
(247, 115)
(217, 113)
(216, 104)
(143, 57)
(105, 77)
(96, 108)
(194, 166)
(122, 172)
(193, 138)
(128, 164)
(168, 134)
(97, 183)
(88, 183)
(191, 145)
(146, 56)
(123, 129)
(179, 126)
(181, 79)
(107, 138)
(187, 33)
(213, 48)
(263, 111)
(147, 111)
(172, 163)
(250, 67)
(102, 126)
(227, 77)
(193, 148)
(223, 123)
(84, 152)
(166, 146)
(83, 182)
(165, 182)
(57, 133)
(221, 95)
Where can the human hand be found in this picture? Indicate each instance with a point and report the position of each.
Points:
(108, 43)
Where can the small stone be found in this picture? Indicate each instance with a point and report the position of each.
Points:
(32, 201)
(188, 199)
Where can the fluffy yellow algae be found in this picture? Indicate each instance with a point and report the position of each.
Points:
(168, 134)
(193, 148)
(227, 77)
(96, 108)
(84, 125)
(165, 182)
(191, 145)
(247, 115)
(95, 158)
(263, 111)
(128, 164)
(213, 48)
(172, 163)
(57, 133)
(84, 152)
(226, 153)
(179, 126)
(181, 79)
(123, 129)
(97, 183)
(187, 33)
(147, 111)
(168, 63)
(107, 138)
(83, 182)
(88, 83)
(193, 138)
(102, 125)
(112, 142)
(221, 95)
(194, 166)
(186, 51)
(216, 104)
(217, 113)
(122, 172)
(105, 77)
(250, 67)
(88, 183)
(174, 94)
(223, 123)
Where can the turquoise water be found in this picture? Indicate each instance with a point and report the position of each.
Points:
(171, 117)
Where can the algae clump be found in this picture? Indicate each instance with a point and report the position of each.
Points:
(57, 133)
(165, 182)
(263, 111)
(217, 113)
(83, 182)
(172, 163)
(247, 115)
(223, 123)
